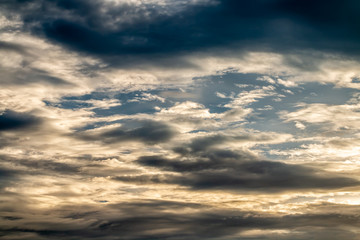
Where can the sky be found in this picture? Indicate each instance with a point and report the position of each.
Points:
(179, 119)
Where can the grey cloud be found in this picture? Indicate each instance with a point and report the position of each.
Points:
(39, 167)
(144, 179)
(148, 29)
(202, 144)
(225, 170)
(27, 166)
(164, 220)
(7, 176)
(8, 141)
(23, 71)
(25, 76)
(213, 160)
(11, 120)
(149, 132)
(202, 166)
(13, 47)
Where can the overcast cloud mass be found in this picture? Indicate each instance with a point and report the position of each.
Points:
(186, 119)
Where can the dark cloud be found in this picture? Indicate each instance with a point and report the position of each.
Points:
(12, 47)
(31, 76)
(201, 144)
(279, 25)
(11, 120)
(227, 170)
(148, 132)
(202, 166)
(23, 72)
(21, 167)
(144, 178)
(158, 220)
(39, 167)
(6, 177)
(37, 75)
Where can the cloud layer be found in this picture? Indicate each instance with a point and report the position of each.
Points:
(191, 119)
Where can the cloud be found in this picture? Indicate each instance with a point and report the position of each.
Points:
(12, 47)
(228, 170)
(148, 132)
(162, 119)
(157, 219)
(338, 117)
(136, 29)
(248, 97)
(10, 120)
(229, 140)
(7, 177)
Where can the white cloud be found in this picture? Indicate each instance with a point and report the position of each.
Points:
(339, 117)
(299, 125)
(245, 98)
